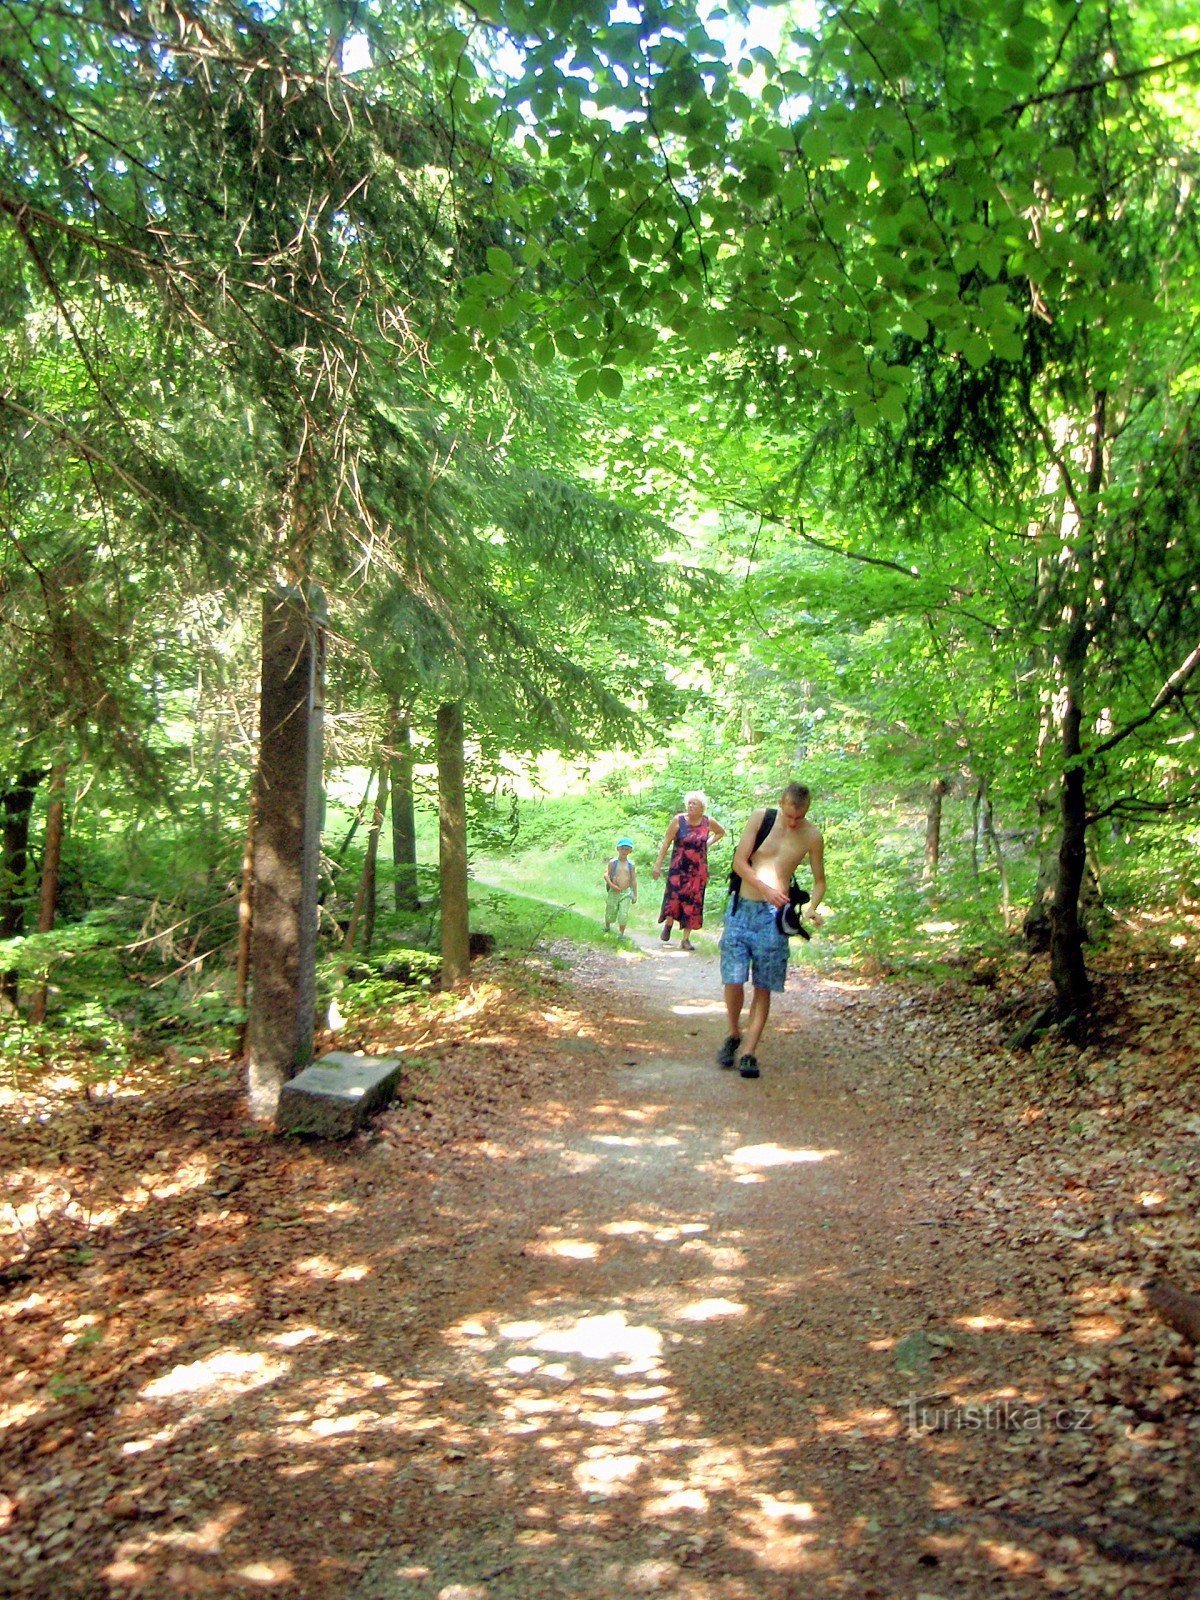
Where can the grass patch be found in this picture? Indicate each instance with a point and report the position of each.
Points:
(520, 921)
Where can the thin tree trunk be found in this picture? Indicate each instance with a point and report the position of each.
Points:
(452, 812)
(993, 839)
(364, 902)
(339, 855)
(404, 821)
(1035, 929)
(933, 829)
(51, 865)
(17, 806)
(1092, 908)
(351, 932)
(1036, 926)
(976, 829)
(245, 912)
(1072, 986)
(1067, 967)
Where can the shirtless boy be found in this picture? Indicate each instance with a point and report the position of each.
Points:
(620, 882)
(751, 944)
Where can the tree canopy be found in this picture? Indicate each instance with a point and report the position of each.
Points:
(556, 339)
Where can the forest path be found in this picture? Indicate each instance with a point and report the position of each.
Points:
(583, 1316)
(665, 1339)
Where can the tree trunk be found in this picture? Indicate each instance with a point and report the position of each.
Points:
(976, 832)
(1067, 967)
(452, 812)
(51, 864)
(993, 840)
(364, 902)
(933, 829)
(17, 806)
(1035, 929)
(245, 913)
(1072, 986)
(360, 812)
(404, 821)
(287, 845)
(372, 859)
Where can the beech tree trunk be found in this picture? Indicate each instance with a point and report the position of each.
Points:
(51, 865)
(452, 814)
(404, 821)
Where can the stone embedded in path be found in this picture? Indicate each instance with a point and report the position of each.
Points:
(337, 1094)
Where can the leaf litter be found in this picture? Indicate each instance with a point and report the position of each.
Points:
(233, 1362)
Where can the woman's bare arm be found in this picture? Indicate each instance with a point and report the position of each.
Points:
(668, 840)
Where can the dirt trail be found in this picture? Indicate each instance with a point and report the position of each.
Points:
(653, 1330)
(681, 1355)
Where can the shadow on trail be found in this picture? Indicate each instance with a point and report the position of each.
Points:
(663, 1332)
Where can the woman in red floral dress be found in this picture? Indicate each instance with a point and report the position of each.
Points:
(687, 839)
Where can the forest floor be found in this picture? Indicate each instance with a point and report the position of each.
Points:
(584, 1315)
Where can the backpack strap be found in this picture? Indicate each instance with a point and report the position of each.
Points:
(764, 828)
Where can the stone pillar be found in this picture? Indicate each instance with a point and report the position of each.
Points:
(287, 839)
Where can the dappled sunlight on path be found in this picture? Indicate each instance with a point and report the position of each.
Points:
(657, 1331)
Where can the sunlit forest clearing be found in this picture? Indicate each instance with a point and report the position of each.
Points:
(455, 453)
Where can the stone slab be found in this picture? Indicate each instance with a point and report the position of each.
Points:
(337, 1094)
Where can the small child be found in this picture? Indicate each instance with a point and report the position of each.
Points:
(620, 879)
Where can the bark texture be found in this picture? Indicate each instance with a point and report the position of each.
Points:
(452, 813)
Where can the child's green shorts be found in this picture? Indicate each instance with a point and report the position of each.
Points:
(617, 904)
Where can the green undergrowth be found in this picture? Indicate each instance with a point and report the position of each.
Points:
(121, 997)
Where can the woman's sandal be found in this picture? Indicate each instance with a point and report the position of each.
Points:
(686, 944)
(665, 935)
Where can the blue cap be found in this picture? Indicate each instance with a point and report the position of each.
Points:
(621, 842)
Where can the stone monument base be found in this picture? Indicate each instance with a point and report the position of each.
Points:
(337, 1094)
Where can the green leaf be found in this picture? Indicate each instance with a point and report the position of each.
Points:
(1059, 162)
(891, 407)
(610, 382)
